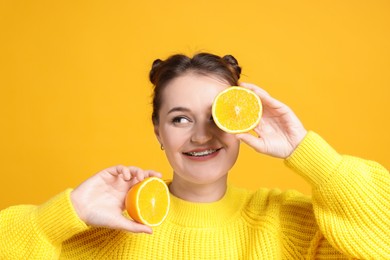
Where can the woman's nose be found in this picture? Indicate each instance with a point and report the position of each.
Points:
(202, 133)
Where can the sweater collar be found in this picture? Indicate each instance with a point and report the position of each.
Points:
(205, 215)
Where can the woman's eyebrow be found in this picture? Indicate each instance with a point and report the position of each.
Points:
(179, 109)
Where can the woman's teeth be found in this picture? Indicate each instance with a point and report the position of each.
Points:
(202, 153)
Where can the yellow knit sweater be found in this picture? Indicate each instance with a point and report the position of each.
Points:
(348, 216)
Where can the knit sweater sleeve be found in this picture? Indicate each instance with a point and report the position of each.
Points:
(351, 198)
(37, 232)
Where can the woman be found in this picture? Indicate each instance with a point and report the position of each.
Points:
(348, 215)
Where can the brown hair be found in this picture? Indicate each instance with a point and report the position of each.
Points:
(163, 72)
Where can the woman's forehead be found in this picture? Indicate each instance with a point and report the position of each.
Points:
(192, 89)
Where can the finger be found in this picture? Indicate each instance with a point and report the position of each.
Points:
(254, 142)
(152, 173)
(145, 174)
(115, 170)
(126, 173)
(132, 173)
(261, 92)
(136, 172)
(128, 225)
(266, 98)
(120, 170)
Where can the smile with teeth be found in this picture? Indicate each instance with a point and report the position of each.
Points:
(202, 153)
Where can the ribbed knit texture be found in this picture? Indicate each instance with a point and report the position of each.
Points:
(348, 216)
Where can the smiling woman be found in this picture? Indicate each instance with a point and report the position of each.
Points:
(199, 152)
(209, 218)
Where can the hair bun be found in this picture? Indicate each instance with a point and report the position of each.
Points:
(153, 72)
(233, 64)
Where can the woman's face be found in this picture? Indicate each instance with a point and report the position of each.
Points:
(198, 151)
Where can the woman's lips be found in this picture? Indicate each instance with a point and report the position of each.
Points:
(202, 154)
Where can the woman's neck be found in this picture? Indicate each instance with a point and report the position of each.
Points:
(195, 192)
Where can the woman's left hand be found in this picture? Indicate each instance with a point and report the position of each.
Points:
(279, 131)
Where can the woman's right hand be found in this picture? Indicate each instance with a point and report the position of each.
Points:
(280, 131)
(100, 200)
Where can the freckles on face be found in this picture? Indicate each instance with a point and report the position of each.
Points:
(195, 147)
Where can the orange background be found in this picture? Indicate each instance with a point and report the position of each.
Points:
(75, 96)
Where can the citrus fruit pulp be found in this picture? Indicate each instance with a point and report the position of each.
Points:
(147, 202)
(237, 110)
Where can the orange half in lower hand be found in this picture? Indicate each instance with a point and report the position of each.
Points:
(147, 202)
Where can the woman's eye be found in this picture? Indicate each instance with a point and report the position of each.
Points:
(180, 120)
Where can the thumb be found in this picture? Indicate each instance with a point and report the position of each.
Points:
(255, 142)
(126, 224)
